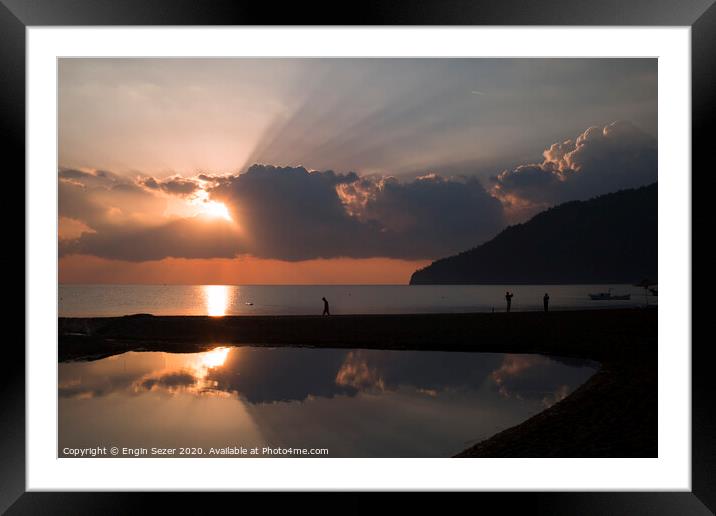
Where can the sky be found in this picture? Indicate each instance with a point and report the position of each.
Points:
(261, 171)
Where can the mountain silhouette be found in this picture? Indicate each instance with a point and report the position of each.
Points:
(608, 239)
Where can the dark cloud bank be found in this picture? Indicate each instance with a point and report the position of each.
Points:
(293, 214)
(290, 213)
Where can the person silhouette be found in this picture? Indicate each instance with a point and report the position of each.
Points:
(545, 300)
(326, 311)
(508, 298)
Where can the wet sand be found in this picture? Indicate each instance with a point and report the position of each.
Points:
(614, 414)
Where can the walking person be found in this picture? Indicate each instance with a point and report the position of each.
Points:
(545, 300)
(508, 297)
(326, 311)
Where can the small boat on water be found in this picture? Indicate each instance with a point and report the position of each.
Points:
(608, 296)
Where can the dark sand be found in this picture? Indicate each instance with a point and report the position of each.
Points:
(614, 414)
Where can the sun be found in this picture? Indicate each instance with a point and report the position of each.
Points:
(201, 204)
(215, 209)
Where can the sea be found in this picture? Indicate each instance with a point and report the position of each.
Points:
(222, 300)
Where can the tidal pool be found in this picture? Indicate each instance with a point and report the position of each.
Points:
(268, 402)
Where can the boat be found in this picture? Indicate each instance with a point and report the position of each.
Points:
(608, 296)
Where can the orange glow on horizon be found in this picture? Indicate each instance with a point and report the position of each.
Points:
(238, 271)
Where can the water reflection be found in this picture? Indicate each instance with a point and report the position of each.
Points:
(214, 358)
(217, 299)
(360, 402)
(522, 377)
(191, 376)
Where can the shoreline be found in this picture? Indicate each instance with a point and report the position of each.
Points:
(613, 414)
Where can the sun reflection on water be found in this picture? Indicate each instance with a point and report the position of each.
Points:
(185, 374)
(217, 299)
(214, 358)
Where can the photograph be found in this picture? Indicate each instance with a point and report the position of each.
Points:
(397, 249)
(357, 257)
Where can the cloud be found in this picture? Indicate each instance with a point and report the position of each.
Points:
(428, 216)
(293, 214)
(99, 198)
(285, 213)
(191, 237)
(176, 185)
(600, 160)
(125, 219)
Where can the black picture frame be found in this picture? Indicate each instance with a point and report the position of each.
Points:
(17, 15)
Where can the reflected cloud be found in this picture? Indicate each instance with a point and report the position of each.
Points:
(169, 381)
(512, 367)
(536, 377)
(355, 372)
(558, 395)
(140, 372)
(375, 370)
(272, 375)
(192, 377)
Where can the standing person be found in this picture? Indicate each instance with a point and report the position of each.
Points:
(545, 300)
(326, 311)
(508, 298)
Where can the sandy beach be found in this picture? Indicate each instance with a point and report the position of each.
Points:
(614, 414)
